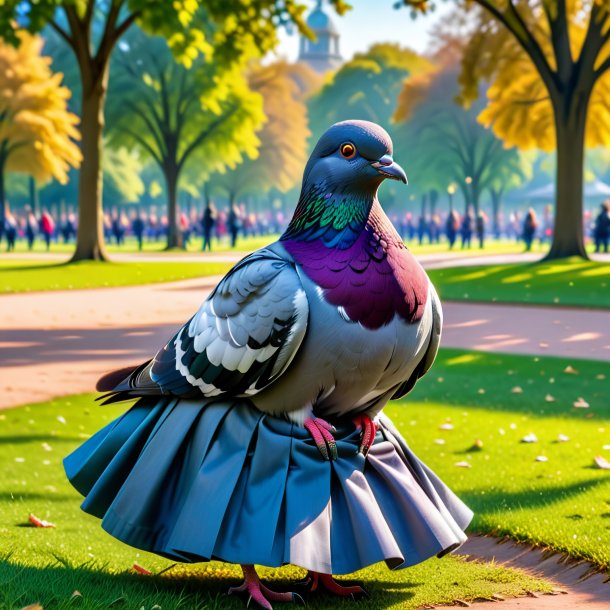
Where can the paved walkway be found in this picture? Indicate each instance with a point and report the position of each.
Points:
(59, 343)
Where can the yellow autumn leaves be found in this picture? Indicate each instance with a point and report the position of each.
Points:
(37, 131)
(518, 106)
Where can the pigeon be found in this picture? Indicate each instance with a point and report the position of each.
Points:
(258, 436)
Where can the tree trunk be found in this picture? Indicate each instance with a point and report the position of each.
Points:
(174, 233)
(495, 211)
(34, 200)
(568, 238)
(90, 234)
(433, 201)
(424, 200)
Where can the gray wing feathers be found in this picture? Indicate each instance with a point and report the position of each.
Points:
(248, 331)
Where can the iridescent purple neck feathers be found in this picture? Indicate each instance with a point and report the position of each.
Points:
(362, 267)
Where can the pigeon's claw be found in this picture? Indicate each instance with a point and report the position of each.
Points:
(368, 429)
(261, 594)
(321, 432)
(318, 582)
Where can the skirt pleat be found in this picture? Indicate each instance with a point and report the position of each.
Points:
(197, 480)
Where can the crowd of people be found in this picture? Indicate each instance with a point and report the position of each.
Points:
(233, 221)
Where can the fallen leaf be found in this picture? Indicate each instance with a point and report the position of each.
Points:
(35, 521)
(517, 390)
(602, 462)
(446, 426)
(581, 403)
(439, 441)
(463, 464)
(606, 447)
(141, 570)
(47, 447)
(481, 391)
(549, 398)
(76, 594)
(530, 438)
(601, 376)
(570, 370)
(562, 438)
(477, 445)
(542, 458)
(61, 419)
(33, 607)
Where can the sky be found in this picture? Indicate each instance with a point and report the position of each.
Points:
(372, 21)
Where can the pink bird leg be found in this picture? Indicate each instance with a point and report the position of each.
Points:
(321, 432)
(368, 429)
(261, 594)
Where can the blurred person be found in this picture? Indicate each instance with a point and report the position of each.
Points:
(452, 226)
(68, 227)
(207, 225)
(467, 228)
(233, 224)
(185, 228)
(47, 227)
(601, 230)
(31, 227)
(138, 226)
(117, 228)
(10, 230)
(530, 226)
(480, 228)
(422, 229)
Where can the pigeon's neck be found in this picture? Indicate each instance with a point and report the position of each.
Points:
(333, 217)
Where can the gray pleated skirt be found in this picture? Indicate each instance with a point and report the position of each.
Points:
(195, 481)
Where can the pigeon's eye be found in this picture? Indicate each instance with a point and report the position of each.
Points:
(348, 150)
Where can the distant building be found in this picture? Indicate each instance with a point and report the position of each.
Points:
(321, 54)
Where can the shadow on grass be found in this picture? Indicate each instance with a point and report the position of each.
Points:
(502, 499)
(54, 587)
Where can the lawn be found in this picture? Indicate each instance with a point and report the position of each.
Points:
(247, 244)
(23, 276)
(561, 503)
(570, 282)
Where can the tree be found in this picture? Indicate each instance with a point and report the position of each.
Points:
(567, 46)
(178, 116)
(282, 152)
(37, 132)
(365, 87)
(440, 141)
(92, 28)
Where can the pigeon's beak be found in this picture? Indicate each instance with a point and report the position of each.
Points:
(388, 168)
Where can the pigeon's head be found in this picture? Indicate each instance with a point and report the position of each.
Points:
(352, 156)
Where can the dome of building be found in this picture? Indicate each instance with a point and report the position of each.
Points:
(321, 54)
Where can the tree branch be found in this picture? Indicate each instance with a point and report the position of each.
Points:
(144, 144)
(59, 30)
(203, 135)
(513, 21)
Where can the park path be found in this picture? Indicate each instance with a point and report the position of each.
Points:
(59, 343)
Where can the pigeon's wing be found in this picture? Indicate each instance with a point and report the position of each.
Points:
(430, 354)
(242, 338)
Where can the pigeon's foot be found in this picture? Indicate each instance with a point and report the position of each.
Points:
(368, 429)
(318, 582)
(321, 432)
(261, 594)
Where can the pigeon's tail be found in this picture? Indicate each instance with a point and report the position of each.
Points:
(109, 381)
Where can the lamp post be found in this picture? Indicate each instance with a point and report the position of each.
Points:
(468, 181)
(451, 192)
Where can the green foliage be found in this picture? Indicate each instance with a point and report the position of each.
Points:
(365, 88)
(282, 152)
(441, 142)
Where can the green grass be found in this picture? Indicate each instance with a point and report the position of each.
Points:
(23, 276)
(562, 503)
(571, 282)
(48, 565)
